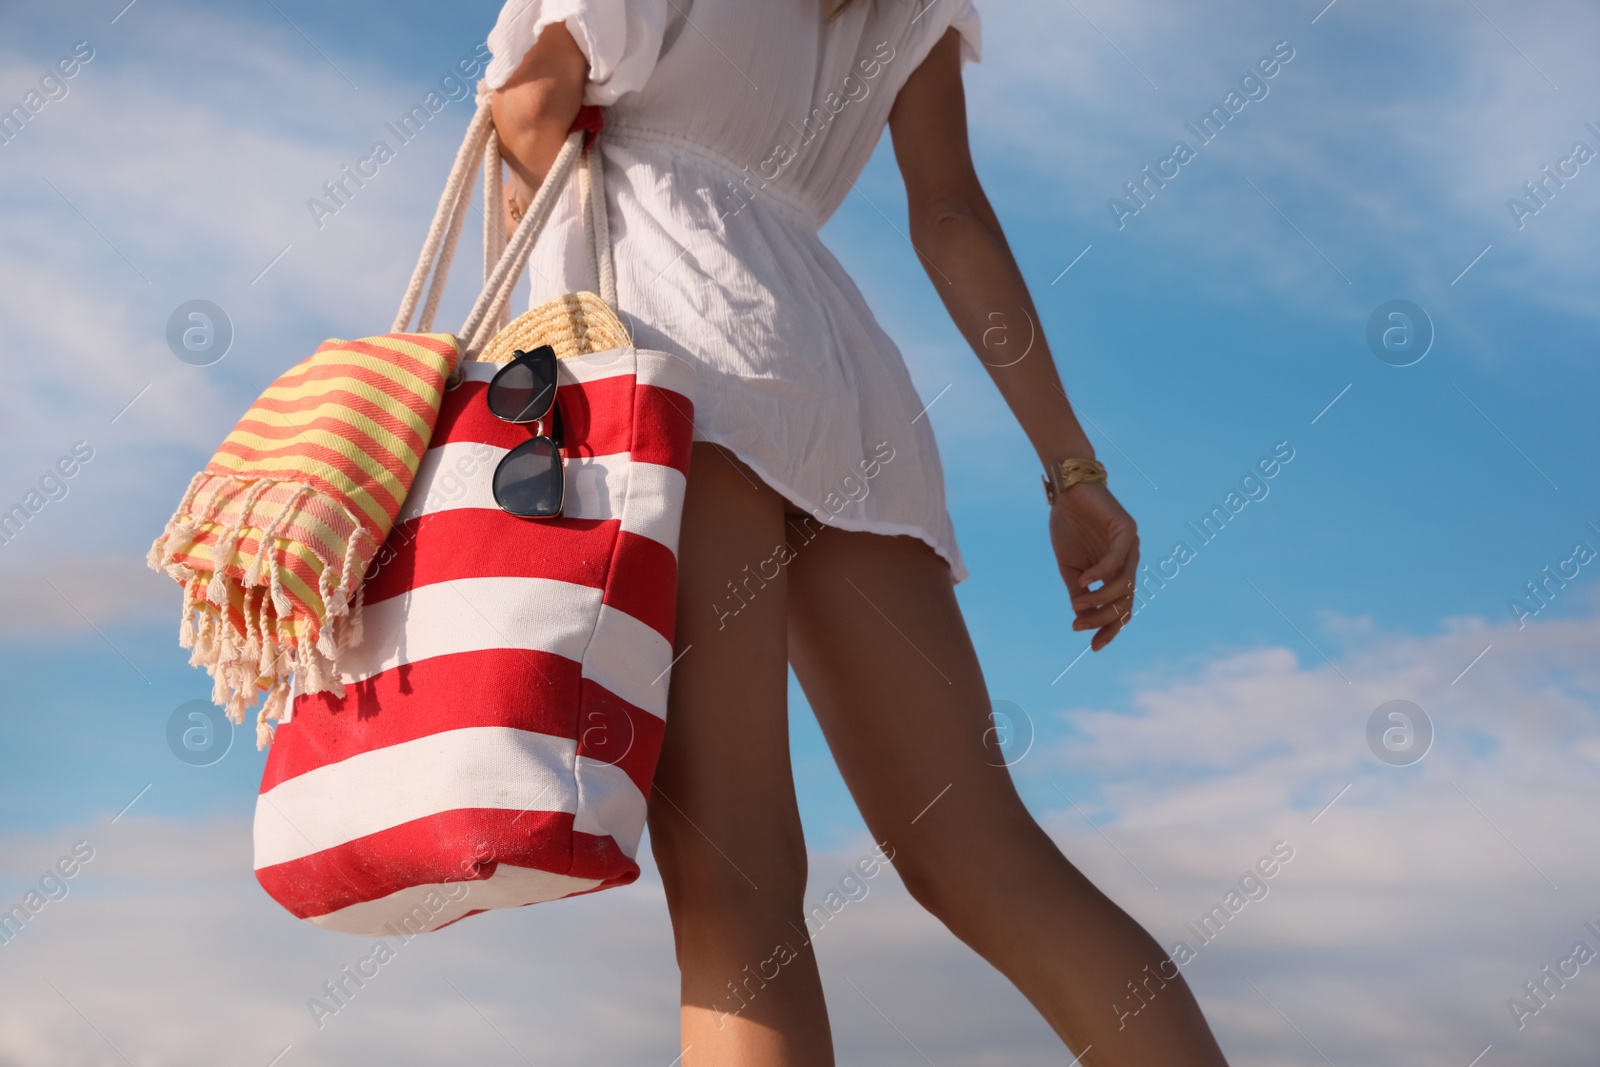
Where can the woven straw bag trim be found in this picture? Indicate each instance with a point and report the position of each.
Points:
(574, 325)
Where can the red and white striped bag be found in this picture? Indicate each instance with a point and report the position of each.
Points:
(501, 718)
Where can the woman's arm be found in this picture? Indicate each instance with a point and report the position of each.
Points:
(534, 110)
(965, 253)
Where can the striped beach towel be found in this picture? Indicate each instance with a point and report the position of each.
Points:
(273, 536)
(500, 721)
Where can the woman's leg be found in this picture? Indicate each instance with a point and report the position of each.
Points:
(724, 823)
(878, 642)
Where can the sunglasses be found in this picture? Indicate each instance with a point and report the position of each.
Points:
(529, 481)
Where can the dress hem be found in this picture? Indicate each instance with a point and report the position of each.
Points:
(950, 555)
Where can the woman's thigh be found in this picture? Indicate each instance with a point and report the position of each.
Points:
(723, 815)
(877, 640)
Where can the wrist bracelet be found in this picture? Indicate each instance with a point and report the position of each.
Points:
(1065, 473)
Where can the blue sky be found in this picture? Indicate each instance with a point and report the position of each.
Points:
(1220, 320)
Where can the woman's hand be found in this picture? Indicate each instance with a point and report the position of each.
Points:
(1095, 540)
(534, 110)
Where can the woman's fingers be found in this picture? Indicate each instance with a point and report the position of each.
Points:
(1110, 620)
(1123, 541)
(1107, 593)
(1103, 616)
(516, 198)
(1103, 637)
(1117, 569)
(1111, 606)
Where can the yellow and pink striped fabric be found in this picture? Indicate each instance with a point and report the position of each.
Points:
(272, 538)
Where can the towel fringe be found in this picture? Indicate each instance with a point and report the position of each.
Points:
(267, 543)
(163, 548)
(272, 710)
(268, 647)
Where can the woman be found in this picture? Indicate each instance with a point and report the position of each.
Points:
(815, 530)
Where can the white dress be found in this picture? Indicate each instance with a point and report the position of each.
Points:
(734, 129)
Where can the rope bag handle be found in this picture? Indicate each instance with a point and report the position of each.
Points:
(503, 258)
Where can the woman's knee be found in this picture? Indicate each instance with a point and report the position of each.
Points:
(751, 870)
(928, 882)
(965, 879)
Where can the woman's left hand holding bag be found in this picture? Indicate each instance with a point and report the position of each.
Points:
(534, 110)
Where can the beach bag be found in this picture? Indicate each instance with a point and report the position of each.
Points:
(493, 736)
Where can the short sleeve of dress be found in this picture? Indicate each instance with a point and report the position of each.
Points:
(937, 18)
(966, 23)
(620, 38)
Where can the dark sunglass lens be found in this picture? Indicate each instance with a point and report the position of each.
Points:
(528, 482)
(523, 390)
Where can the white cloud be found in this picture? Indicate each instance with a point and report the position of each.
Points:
(1423, 897)
(70, 592)
(1411, 911)
(1392, 139)
(168, 947)
(137, 193)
